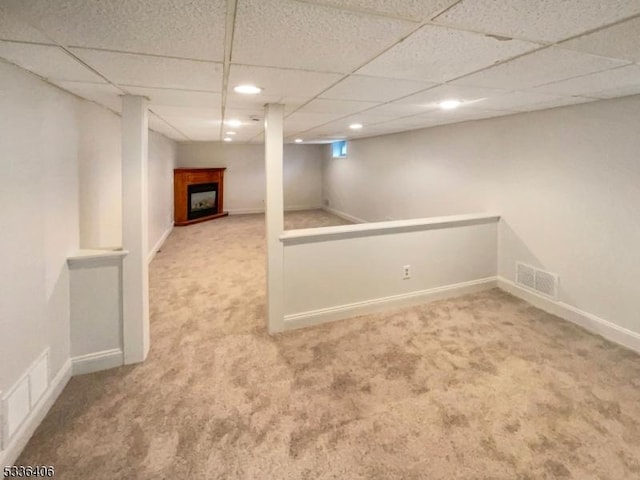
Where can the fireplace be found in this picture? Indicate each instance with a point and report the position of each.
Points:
(203, 200)
(198, 194)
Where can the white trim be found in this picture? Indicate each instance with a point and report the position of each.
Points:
(156, 248)
(295, 208)
(340, 312)
(94, 362)
(588, 321)
(12, 451)
(323, 234)
(343, 215)
(96, 257)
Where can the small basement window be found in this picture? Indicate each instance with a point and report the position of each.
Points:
(339, 149)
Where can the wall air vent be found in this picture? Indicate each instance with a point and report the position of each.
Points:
(525, 275)
(545, 283)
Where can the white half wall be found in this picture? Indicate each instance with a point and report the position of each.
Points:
(244, 179)
(338, 272)
(566, 182)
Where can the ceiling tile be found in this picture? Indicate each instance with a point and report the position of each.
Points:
(193, 29)
(416, 10)
(608, 84)
(539, 20)
(196, 129)
(399, 109)
(544, 66)
(237, 101)
(438, 54)
(619, 41)
(101, 93)
(12, 28)
(337, 107)
(180, 98)
(374, 89)
(198, 114)
(161, 126)
(527, 101)
(282, 82)
(151, 71)
(248, 117)
(47, 61)
(301, 121)
(432, 97)
(285, 33)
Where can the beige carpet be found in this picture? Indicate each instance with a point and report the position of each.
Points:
(478, 387)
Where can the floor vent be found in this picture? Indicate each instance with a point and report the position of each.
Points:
(542, 282)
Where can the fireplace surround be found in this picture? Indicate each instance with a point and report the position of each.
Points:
(198, 195)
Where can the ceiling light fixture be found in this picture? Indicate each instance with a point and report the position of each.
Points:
(355, 126)
(228, 139)
(230, 133)
(233, 123)
(247, 89)
(298, 140)
(449, 104)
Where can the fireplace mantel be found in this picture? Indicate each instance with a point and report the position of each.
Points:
(208, 183)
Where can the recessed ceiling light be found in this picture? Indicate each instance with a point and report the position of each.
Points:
(230, 133)
(233, 123)
(450, 104)
(298, 140)
(355, 126)
(247, 89)
(227, 139)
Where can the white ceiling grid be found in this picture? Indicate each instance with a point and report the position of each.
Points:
(383, 63)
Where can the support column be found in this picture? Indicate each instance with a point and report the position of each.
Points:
(135, 231)
(274, 204)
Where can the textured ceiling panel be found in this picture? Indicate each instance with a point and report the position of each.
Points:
(237, 101)
(198, 114)
(196, 129)
(151, 71)
(178, 98)
(189, 29)
(607, 84)
(463, 114)
(619, 41)
(526, 101)
(284, 33)
(416, 10)
(161, 126)
(101, 93)
(431, 98)
(373, 89)
(343, 107)
(12, 28)
(47, 61)
(538, 20)
(301, 121)
(438, 54)
(544, 66)
(398, 109)
(282, 82)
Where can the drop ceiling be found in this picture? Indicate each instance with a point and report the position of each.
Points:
(383, 63)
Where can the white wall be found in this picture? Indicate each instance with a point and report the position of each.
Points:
(162, 161)
(244, 180)
(100, 158)
(566, 182)
(343, 274)
(39, 211)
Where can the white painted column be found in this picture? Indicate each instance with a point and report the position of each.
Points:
(274, 204)
(135, 231)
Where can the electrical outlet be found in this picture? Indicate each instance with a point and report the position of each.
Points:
(406, 272)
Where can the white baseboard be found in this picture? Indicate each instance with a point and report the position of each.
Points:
(323, 315)
(94, 362)
(294, 208)
(19, 440)
(588, 321)
(159, 243)
(346, 216)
